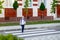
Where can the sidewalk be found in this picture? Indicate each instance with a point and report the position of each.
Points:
(30, 26)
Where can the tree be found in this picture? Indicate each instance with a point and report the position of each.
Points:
(1, 7)
(26, 7)
(15, 5)
(42, 8)
(53, 5)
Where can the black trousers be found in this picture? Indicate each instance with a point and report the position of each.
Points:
(22, 28)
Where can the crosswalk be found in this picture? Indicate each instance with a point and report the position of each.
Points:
(32, 32)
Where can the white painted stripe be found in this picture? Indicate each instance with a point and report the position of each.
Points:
(33, 30)
(48, 33)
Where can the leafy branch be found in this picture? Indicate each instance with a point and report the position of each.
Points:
(53, 6)
(26, 6)
(1, 7)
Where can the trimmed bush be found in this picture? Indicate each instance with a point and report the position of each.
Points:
(15, 5)
(9, 37)
(42, 6)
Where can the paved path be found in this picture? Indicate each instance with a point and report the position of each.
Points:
(36, 34)
(31, 26)
(37, 31)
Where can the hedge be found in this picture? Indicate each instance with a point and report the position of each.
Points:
(9, 37)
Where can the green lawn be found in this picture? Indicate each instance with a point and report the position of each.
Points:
(28, 23)
(43, 22)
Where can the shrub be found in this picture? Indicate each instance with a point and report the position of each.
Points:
(15, 5)
(9, 37)
(42, 6)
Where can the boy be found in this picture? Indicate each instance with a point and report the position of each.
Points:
(22, 23)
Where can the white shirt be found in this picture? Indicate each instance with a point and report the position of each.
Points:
(22, 22)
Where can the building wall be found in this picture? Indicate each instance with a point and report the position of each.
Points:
(35, 11)
(48, 6)
(6, 4)
(9, 12)
(19, 12)
(34, 5)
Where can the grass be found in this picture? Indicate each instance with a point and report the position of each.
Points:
(9, 24)
(43, 22)
(28, 23)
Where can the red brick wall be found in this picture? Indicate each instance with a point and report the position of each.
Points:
(40, 19)
(58, 10)
(14, 19)
(2, 20)
(30, 12)
(40, 13)
(10, 12)
(10, 15)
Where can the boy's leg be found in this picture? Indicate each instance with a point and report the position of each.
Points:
(22, 28)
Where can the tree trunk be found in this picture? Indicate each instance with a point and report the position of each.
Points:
(26, 13)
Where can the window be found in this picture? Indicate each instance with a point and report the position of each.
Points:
(35, 0)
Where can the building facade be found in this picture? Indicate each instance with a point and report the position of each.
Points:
(33, 9)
